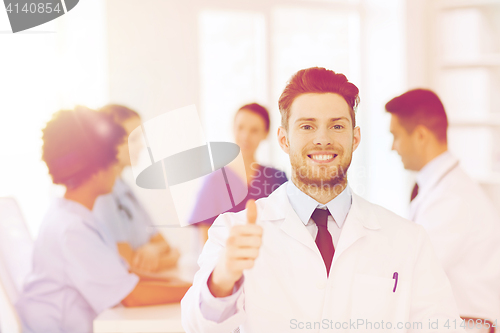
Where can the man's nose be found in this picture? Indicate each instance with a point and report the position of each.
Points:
(322, 138)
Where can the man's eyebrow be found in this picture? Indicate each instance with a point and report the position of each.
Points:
(305, 119)
(339, 118)
(314, 119)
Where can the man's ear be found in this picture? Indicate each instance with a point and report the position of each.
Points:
(356, 138)
(421, 134)
(283, 139)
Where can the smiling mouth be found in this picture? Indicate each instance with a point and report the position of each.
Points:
(322, 158)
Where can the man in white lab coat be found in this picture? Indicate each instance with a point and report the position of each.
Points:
(461, 221)
(314, 256)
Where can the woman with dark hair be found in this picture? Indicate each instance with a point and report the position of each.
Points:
(77, 271)
(250, 127)
(131, 227)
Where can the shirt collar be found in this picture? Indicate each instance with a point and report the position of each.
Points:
(433, 170)
(119, 186)
(304, 205)
(75, 208)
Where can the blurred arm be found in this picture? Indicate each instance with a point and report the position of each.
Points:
(156, 292)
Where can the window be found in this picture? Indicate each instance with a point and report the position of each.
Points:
(467, 77)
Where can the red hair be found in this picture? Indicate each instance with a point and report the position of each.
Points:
(317, 80)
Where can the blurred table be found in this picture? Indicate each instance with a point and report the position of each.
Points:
(145, 319)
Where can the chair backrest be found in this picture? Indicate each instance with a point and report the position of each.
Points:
(16, 250)
(478, 325)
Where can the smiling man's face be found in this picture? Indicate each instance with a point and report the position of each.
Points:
(320, 139)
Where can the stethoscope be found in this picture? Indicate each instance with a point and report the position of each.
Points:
(441, 178)
(445, 174)
(124, 208)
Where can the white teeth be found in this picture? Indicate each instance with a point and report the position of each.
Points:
(322, 157)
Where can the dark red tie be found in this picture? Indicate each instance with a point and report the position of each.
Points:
(323, 238)
(414, 192)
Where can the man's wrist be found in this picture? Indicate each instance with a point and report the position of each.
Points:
(220, 286)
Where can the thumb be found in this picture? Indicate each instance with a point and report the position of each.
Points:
(251, 211)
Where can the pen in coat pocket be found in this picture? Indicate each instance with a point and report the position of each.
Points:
(395, 277)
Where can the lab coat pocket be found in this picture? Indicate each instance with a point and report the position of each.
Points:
(378, 298)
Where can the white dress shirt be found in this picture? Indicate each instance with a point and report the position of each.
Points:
(435, 170)
(304, 206)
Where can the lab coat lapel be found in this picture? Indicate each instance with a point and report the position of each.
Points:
(281, 211)
(359, 219)
(414, 206)
(417, 202)
(296, 229)
(425, 191)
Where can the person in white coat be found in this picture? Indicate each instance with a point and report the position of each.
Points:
(462, 223)
(314, 256)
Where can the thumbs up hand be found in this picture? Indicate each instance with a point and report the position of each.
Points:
(251, 208)
(242, 248)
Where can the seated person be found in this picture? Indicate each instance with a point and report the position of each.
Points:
(77, 271)
(251, 126)
(131, 227)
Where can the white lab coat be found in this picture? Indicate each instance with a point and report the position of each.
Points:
(288, 284)
(464, 228)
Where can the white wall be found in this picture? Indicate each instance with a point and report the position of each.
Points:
(55, 65)
(153, 68)
(384, 67)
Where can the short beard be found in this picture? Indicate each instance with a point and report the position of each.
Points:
(313, 183)
(335, 177)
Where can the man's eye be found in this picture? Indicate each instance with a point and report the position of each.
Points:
(338, 127)
(306, 127)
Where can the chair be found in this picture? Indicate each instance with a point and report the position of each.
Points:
(472, 325)
(16, 248)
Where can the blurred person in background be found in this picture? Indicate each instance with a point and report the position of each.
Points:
(77, 271)
(250, 127)
(460, 219)
(132, 228)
